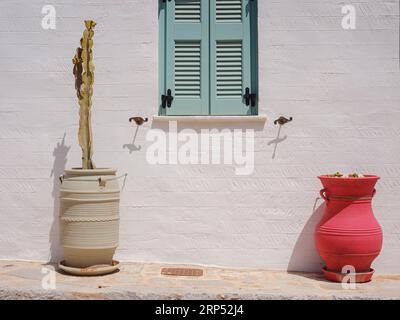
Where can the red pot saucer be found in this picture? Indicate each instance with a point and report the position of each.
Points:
(360, 277)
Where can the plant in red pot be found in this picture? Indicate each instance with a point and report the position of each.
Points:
(348, 236)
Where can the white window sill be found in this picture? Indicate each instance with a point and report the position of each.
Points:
(212, 119)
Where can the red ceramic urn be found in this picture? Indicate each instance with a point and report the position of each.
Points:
(348, 236)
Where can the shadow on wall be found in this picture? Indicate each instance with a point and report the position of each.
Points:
(198, 126)
(305, 257)
(277, 141)
(132, 146)
(60, 160)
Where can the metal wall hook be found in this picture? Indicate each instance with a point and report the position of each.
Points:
(282, 120)
(138, 120)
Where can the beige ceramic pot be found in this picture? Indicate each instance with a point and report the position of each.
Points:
(89, 205)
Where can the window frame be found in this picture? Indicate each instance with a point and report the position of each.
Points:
(162, 77)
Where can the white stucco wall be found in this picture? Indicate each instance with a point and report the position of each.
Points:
(341, 86)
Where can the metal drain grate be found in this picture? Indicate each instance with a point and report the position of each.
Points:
(183, 272)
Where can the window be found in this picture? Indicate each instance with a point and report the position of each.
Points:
(208, 57)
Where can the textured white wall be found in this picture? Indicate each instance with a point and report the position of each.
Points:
(342, 88)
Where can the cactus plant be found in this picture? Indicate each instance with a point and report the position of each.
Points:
(84, 79)
(89, 233)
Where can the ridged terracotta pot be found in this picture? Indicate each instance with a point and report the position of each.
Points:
(89, 205)
(348, 234)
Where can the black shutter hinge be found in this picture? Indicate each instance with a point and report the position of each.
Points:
(166, 100)
(250, 98)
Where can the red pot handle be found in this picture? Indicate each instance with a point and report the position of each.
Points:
(323, 195)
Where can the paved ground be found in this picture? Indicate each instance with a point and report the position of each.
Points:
(23, 280)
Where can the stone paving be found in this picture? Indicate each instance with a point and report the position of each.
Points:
(25, 280)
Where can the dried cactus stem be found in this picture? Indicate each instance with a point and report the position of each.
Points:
(84, 79)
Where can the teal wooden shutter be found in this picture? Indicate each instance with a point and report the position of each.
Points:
(187, 57)
(230, 56)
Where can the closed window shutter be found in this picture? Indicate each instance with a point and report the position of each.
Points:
(230, 57)
(187, 57)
